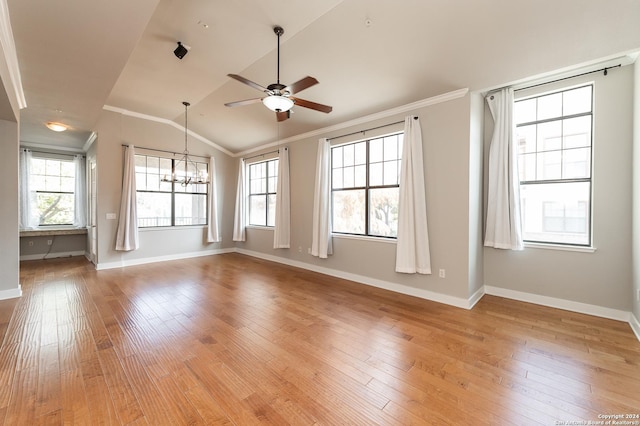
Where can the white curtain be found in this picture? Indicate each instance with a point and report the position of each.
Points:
(504, 229)
(127, 235)
(213, 230)
(80, 193)
(27, 214)
(282, 232)
(412, 249)
(239, 221)
(321, 245)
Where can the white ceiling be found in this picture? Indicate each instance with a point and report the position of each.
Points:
(78, 56)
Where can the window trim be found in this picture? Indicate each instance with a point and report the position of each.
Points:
(266, 194)
(555, 245)
(366, 188)
(173, 193)
(59, 158)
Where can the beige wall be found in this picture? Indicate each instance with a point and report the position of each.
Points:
(447, 152)
(114, 130)
(602, 278)
(636, 193)
(9, 234)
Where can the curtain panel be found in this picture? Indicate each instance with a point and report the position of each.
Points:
(321, 245)
(503, 226)
(240, 218)
(282, 231)
(412, 249)
(127, 234)
(213, 229)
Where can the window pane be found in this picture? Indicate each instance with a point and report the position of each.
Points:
(576, 163)
(52, 183)
(527, 167)
(272, 184)
(141, 181)
(153, 164)
(55, 209)
(577, 101)
(390, 148)
(337, 179)
(375, 174)
(550, 106)
(390, 173)
(336, 157)
(141, 163)
(38, 166)
(549, 165)
(348, 211)
(67, 169)
(526, 138)
(257, 210)
(271, 214)
(383, 212)
(556, 212)
(525, 111)
(67, 184)
(360, 178)
(52, 167)
(348, 177)
(375, 150)
(348, 155)
(154, 209)
(577, 132)
(191, 209)
(360, 155)
(550, 136)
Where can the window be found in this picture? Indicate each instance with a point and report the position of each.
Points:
(53, 181)
(365, 186)
(165, 203)
(554, 138)
(263, 182)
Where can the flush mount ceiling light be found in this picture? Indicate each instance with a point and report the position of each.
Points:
(56, 127)
(278, 103)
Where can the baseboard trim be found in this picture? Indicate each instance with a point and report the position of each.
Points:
(458, 302)
(11, 293)
(567, 305)
(145, 260)
(635, 325)
(52, 255)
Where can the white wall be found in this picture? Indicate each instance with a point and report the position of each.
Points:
(602, 278)
(155, 243)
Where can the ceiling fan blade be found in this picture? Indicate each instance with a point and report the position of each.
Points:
(283, 115)
(302, 84)
(312, 105)
(241, 79)
(245, 102)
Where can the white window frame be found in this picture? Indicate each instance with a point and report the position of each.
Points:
(58, 158)
(270, 190)
(562, 180)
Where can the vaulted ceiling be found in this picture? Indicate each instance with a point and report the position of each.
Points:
(78, 57)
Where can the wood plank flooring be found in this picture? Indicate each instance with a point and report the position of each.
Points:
(234, 340)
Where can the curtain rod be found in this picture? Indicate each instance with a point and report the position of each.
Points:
(263, 154)
(167, 152)
(605, 69)
(415, 117)
(70, 154)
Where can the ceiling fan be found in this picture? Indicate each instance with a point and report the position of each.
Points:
(279, 96)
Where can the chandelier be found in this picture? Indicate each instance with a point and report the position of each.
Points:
(191, 174)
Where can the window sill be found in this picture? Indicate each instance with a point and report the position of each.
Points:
(42, 232)
(264, 228)
(170, 228)
(366, 238)
(560, 247)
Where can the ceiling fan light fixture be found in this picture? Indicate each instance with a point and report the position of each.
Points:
(56, 127)
(278, 103)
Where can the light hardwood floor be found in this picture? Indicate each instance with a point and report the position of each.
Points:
(229, 339)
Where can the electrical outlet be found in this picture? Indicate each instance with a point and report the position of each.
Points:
(442, 273)
(49, 242)
(299, 249)
(30, 243)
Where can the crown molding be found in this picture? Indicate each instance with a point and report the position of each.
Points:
(167, 122)
(8, 46)
(445, 97)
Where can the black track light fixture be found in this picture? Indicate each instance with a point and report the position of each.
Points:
(181, 50)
